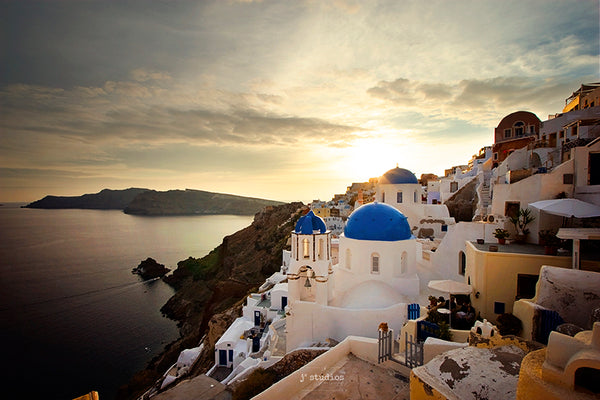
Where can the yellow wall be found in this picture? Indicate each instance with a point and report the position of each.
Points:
(420, 390)
(532, 386)
(494, 276)
(574, 103)
(322, 212)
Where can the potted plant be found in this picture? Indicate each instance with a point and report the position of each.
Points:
(520, 221)
(501, 235)
(550, 241)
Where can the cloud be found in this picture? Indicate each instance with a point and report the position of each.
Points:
(95, 125)
(478, 101)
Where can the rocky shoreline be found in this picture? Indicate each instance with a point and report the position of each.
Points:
(210, 291)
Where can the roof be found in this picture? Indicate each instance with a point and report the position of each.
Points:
(309, 224)
(474, 373)
(372, 295)
(233, 333)
(398, 176)
(377, 221)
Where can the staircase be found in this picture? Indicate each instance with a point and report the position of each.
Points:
(485, 199)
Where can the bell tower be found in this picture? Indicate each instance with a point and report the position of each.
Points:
(310, 264)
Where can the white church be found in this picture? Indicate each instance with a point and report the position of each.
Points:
(374, 281)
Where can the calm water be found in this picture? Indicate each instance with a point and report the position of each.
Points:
(72, 316)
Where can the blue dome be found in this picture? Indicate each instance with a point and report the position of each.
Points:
(377, 221)
(398, 176)
(309, 223)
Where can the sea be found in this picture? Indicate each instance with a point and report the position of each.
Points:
(73, 318)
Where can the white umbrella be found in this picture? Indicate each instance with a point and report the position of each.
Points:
(450, 287)
(568, 208)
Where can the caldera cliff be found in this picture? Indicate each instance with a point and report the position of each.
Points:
(211, 290)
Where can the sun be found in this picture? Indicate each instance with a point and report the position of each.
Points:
(372, 155)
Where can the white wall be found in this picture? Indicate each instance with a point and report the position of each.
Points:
(446, 258)
(310, 322)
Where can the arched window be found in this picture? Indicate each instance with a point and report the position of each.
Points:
(399, 197)
(415, 197)
(305, 248)
(588, 378)
(320, 249)
(374, 263)
(403, 262)
(519, 128)
(462, 263)
(348, 259)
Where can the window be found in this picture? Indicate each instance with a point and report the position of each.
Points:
(526, 286)
(511, 209)
(320, 249)
(415, 197)
(348, 259)
(495, 156)
(568, 179)
(507, 133)
(462, 263)
(498, 307)
(305, 248)
(399, 197)
(519, 126)
(587, 378)
(444, 228)
(374, 263)
(403, 262)
(531, 129)
(383, 197)
(594, 169)
(453, 186)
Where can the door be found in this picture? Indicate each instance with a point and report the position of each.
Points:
(223, 357)
(283, 302)
(255, 344)
(594, 169)
(256, 318)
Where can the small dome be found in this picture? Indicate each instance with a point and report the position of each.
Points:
(309, 223)
(377, 221)
(398, 176)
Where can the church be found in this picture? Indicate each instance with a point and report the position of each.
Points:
(374, 281)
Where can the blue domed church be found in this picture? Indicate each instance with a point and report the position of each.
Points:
(401, 189)
(374, 281)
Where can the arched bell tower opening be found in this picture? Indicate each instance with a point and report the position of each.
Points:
(310, 265)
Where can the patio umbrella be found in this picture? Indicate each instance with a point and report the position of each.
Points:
(451, 287)
(568, 208)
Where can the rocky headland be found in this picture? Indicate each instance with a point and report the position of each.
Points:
(195, 202)
(138, 201)
(106, 199)
(210, 291)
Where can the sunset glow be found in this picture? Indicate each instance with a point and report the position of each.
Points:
(288, 100)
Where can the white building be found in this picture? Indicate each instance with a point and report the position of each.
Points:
(400, 188)
(374, 281)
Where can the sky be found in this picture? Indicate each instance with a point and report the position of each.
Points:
(285, 100)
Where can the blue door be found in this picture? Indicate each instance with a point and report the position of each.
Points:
(256, 318)
(283, 302)
(223, 357)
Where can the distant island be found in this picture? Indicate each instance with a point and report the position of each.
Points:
(138, 201)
